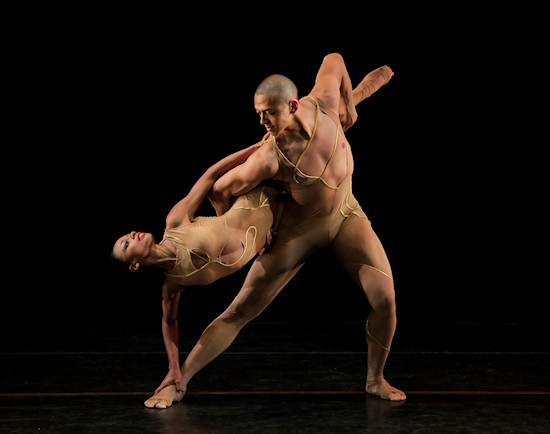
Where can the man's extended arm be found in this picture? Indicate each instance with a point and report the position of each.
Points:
(261, 165)
(186, 208)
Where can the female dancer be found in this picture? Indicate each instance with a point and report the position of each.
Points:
(196, 251)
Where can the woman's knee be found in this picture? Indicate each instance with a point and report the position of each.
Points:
(239, 314)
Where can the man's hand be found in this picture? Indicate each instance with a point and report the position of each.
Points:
(261, 165)
(172, 378)
(268, 241)
(347, 115)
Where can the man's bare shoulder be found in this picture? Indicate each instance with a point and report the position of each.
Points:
(327, 98)
(266, 150)
(266, 155)
(262, 164)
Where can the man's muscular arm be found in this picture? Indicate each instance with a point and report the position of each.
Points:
(186, 208)
(333, 88)
(261, 165)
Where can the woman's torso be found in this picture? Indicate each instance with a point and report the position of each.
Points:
(212, 247)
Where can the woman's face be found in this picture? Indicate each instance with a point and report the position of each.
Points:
(133, 247)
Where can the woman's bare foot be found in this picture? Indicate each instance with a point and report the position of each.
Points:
(165, 398)
(382, 389)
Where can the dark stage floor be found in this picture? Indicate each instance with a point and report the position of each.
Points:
(282, 378)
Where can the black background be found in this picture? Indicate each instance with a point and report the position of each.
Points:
(116, 113)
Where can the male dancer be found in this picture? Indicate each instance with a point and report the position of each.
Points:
(308, 152)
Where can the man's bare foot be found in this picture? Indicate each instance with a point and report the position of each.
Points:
(382, 389)
(165, 398)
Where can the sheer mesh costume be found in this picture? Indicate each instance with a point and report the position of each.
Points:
(213, 247)
(320, 210)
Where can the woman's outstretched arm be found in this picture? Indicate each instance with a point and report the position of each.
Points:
(170, 334)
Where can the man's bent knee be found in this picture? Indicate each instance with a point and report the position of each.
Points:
(380, 293)
(383, 303)
(385, 307)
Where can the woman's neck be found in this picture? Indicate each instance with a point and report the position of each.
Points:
(161, 256)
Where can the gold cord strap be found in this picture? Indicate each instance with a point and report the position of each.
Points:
(308, 142)
(373, 339)
(211, 261)
(379, 270)
(296, 167)
(352, 210)
(372, 268)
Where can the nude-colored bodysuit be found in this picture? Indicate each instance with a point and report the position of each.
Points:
(213, 247)
(319, 209)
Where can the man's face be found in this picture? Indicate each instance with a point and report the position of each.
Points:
(274, 115)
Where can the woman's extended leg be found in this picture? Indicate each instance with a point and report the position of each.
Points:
(266, 278)
(256, 294)
(361, 252)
